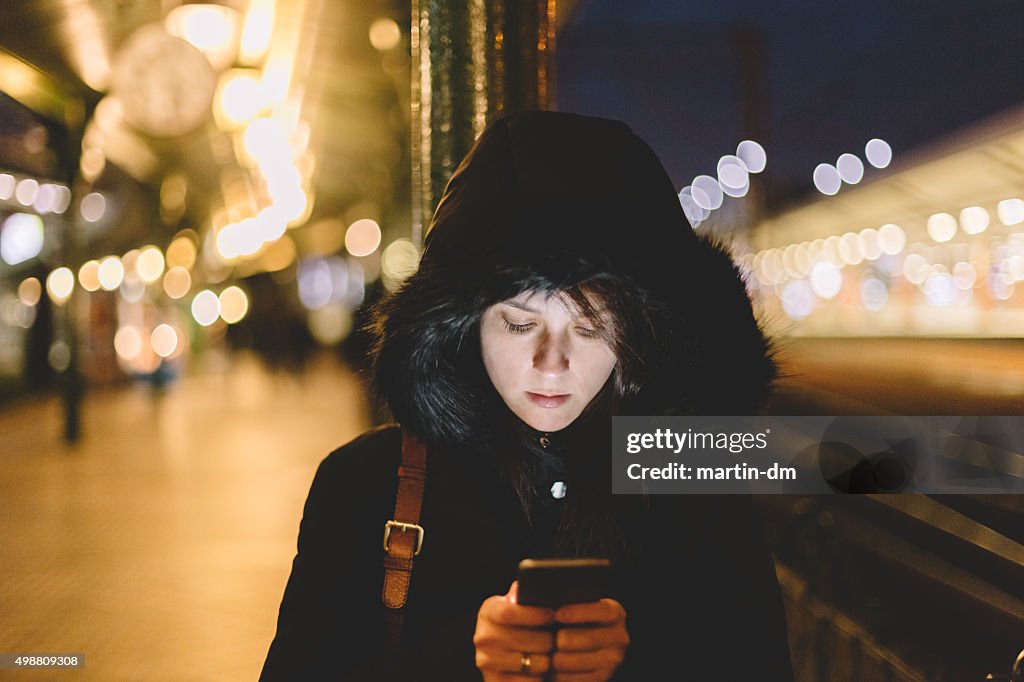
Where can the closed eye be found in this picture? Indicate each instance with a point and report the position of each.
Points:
(514, 328)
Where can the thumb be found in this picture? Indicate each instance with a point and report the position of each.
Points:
(513, 592)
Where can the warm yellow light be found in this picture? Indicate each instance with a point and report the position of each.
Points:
(234, 304)
(265, 141)
(210, 28)
(293, 206)
(128, 342)
(206, 307)
(59, 285)
(150, 264)
(181, 252)
(399, 260)
(362, 237)
(18, 79)
(109, 114)
(240, 98)
(278, 255)
(30, 291)
(88, 275)
(177, 282)
(164, 340)
(384, 34)
(110, 273)
(173, 190)
(256, 32)
(330, 324)
(92, 163)
(277, 77)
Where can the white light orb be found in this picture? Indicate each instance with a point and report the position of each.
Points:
(826, 179)
(941, 227)
(164, 340)
(110, 273)
(893, 238)
(694, 213)
(797, 299)
(707, 192)
(93, 206)
(874, 294)
(1011, 211)
(878, 153)
(21, 238)
(732, 172)
(753, 155)
(150, 264)
(974, 220)
(205, 308)
(851, 169)
(826, 280)
(59, 284)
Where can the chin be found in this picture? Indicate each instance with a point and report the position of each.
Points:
(548, 423)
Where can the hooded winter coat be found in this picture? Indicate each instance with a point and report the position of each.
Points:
(544, 201)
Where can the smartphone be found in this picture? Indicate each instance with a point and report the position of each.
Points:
(555, 582)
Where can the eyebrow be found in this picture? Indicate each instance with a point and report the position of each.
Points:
(521, 306)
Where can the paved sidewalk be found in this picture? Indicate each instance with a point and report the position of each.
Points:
(160, 546)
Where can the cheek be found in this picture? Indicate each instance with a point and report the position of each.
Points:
(600, 364)
(500, 358)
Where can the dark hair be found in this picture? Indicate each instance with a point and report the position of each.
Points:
(540, 204)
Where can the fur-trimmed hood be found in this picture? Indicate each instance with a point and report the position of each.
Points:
(545, 201)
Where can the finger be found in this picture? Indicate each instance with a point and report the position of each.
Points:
(504, 612)
(494, 636)
(584, 638)
(511, 663)
(597, 676)
(605, 611)
(586, 661)
(513, 592)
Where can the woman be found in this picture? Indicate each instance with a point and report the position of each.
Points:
(560, 285)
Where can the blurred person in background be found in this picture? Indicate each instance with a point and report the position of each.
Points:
(560, 285)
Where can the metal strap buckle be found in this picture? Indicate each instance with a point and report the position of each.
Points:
(404, 527)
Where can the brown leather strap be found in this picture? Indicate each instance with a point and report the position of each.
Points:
(403, 536)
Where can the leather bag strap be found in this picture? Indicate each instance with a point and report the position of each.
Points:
(403, 536)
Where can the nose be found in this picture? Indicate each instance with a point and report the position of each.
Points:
(551, 358)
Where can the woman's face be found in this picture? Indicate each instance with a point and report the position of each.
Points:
(545, 360)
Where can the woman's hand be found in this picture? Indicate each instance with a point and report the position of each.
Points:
(591, 641)
(515, 642)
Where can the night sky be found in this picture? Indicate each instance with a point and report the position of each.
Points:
(813, 79)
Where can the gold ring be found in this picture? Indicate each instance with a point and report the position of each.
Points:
(524, 664)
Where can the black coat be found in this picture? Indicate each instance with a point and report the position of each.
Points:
(701, 600)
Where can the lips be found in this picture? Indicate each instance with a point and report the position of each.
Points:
(544, 400)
